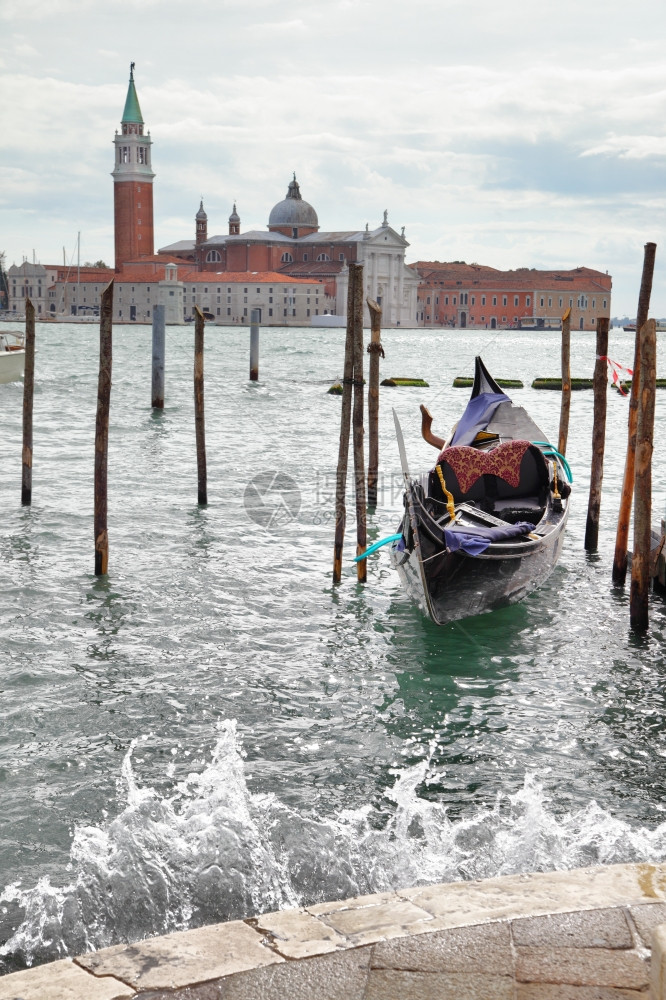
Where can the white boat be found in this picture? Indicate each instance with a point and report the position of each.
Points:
(328, 319)
(12, 356)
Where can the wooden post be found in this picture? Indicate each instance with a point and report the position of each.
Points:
(374, 350)
(357, 423)
(345, 421)
(622, 536)
(566, 383)
(254, 345)
(102, 431)
(199, 418)
(641, 563)
(28, 393)
(159, 347)
(598, 436)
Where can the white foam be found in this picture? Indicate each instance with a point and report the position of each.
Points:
(214, 851)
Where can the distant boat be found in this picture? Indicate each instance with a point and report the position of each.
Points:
(631, 327)
(12, 356)
(328, 319)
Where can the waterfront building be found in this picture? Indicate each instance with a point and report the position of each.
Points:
(459, 295)
(294, 247)
(31, 281)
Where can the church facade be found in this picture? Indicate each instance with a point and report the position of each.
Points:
(294, 247)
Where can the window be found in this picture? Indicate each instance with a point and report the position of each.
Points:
(323, 256)
(541, 301)
(483, 300)
(270, 312)
(504, 300)
(286, 258)
(258, 291)
(550, 302)
(454, 300)
(527, 300)
(245, 290)
(515, 300)
(228, 312)
(213, 257)
(341, 256)
(446, 300)
(474, 300)
(605, 303)
(494, 300)
(205, 290)
(305, 256)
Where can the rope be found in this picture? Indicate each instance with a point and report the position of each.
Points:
(450, 505)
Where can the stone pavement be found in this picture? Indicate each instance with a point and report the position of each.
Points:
(578, 935)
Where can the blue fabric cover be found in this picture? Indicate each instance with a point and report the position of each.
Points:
(477, 416)
(473, 540)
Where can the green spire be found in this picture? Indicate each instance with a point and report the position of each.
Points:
(132, 112)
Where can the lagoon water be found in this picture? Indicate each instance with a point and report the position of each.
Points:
(214, 730)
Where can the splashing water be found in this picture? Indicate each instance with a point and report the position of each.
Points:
(214, 851)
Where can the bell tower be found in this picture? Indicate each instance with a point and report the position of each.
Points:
(132, 184)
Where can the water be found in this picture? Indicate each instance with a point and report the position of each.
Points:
(214, 730)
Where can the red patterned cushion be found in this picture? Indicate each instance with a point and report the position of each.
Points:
(470, 463)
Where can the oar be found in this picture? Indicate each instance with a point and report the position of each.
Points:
(378, 545)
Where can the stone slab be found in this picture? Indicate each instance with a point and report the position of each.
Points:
(299, 934)
(184, 958)
(61, 980)
(532, 991)
(482, 948)
(646, 917)
(658, 964)
(384, 984)
(606, 928)
(460, 903)
(390, 917)
(581, 967)
(340, 976)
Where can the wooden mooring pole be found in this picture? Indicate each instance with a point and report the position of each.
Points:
(641, 562)
(102, 431)
(598, 436)
(345, 423)
(566, 383)
(28, 393)
(374, 350)
(254, 344)
(357, 424)
(159, 349)
(622, 536)
(199, 416)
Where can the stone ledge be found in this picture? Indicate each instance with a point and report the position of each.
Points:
(582, 934)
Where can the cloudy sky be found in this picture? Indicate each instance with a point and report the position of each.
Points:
(514, 134)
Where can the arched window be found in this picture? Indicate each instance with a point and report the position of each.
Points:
(286, 258)
(323, 256)
(213, 257)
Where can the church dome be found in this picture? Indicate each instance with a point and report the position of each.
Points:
(293, 211)
(201, 214)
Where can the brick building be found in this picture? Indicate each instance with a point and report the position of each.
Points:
(457, 294)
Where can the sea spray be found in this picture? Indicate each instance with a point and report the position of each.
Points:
(212, 851)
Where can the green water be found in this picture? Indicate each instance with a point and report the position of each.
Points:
(214, 729)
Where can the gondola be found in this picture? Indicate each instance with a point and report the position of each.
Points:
(485, 526)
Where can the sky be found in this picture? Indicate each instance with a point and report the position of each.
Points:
(520, 134)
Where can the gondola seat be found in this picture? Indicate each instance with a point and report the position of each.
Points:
(510, 480)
